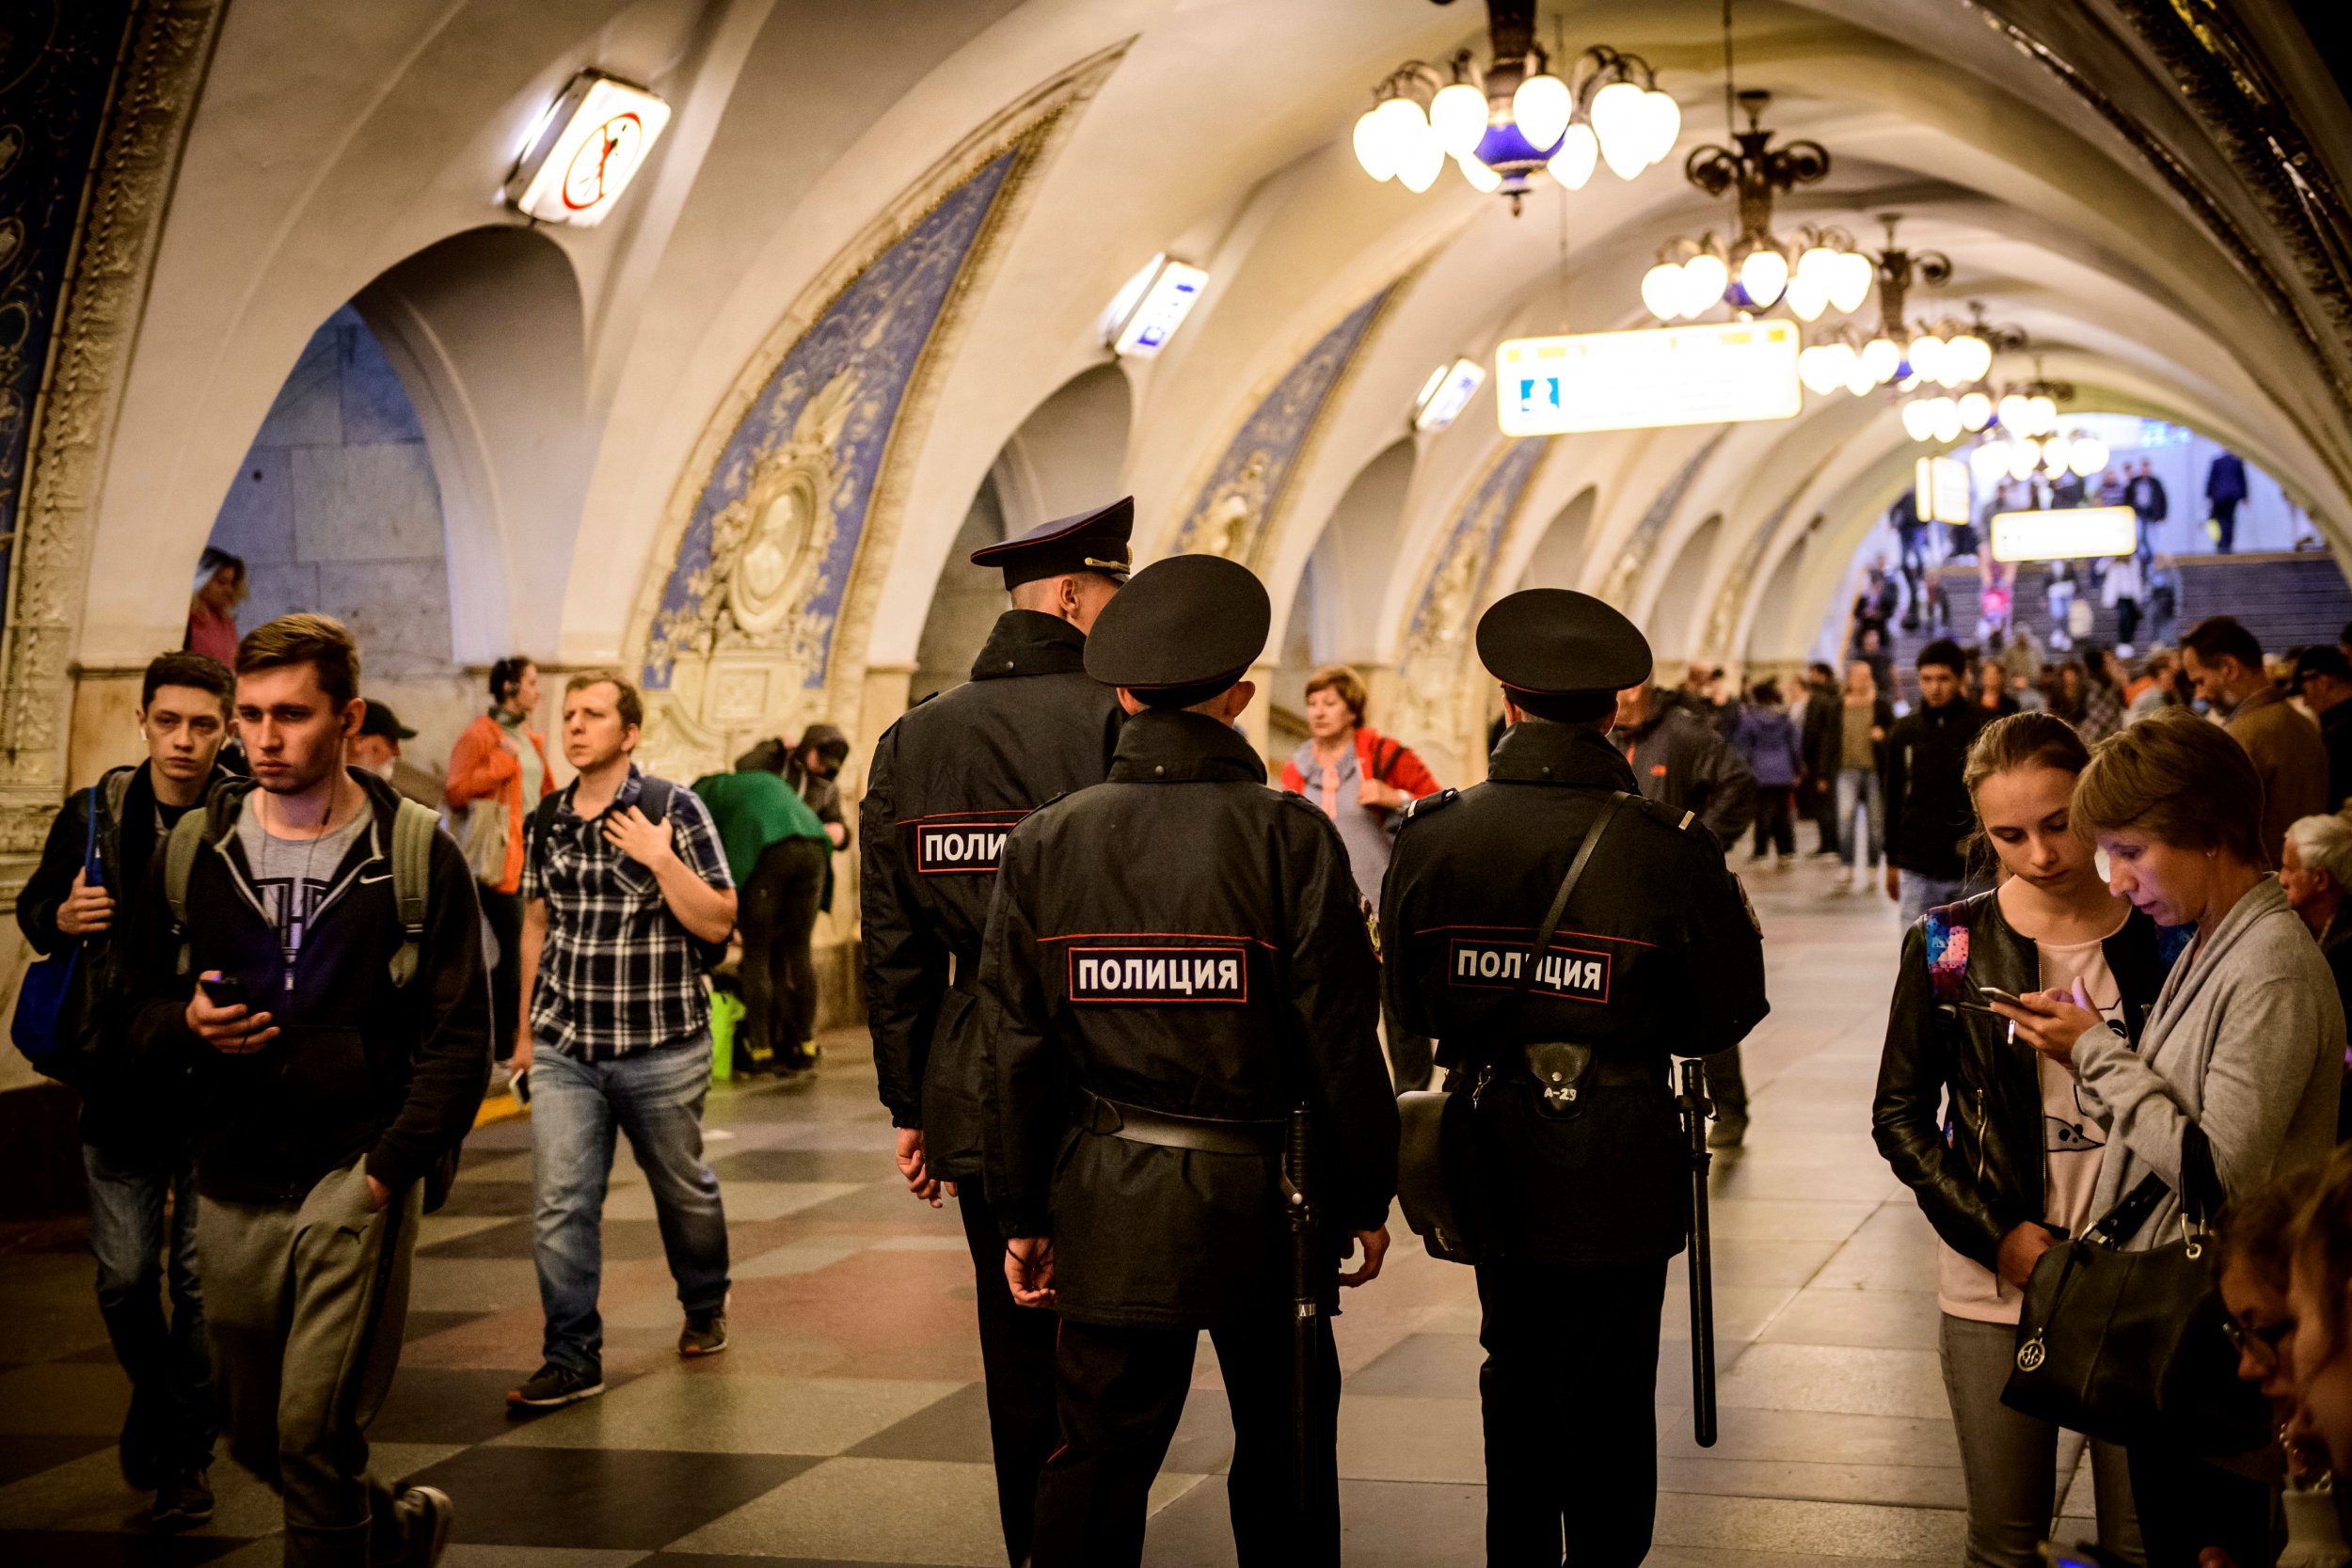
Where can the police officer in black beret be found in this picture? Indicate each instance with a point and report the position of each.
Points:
(1175, 959)
(1573, 1132)
(948, 782)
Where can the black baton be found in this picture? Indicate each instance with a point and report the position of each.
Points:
(1694, 1104)
(1306, 1314)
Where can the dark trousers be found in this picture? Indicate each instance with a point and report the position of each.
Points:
(504, 912)
(2186, 1505)
(172, 1424)
(1726, 1083)
(1776, 819)
(1569, 1395)
(1825, 812)
(1121, 1392)
(1017, 1360)
(2225, 523)
(778, 915)
(2126, 620)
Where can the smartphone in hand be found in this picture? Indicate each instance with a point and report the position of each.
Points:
(224, 990)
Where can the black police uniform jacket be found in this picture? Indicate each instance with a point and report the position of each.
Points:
(1657, 955)
(1186, 940)
(948, 782)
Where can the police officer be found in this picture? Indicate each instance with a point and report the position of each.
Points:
(948, 781)
(1573, 1125)
(1175, 959)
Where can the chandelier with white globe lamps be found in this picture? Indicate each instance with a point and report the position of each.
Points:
(1512, 122)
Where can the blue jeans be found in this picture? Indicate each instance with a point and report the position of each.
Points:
(656, 1096)
(1922, 893)
(171, 1425)
(1858, 786)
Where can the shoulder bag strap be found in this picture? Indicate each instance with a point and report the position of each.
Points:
(413, 827)
(180, 849)
(1567, 887)
(93, 874)
(2131, 1212)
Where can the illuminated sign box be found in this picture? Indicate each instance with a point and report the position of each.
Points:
(1166, 297)
(586, 149)
(1940, 486)
(1714, 375)
(1446, 393)
(2065, 534)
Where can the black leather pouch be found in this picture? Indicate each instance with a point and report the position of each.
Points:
(1562, 1071)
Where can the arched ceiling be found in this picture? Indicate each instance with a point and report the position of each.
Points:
(2083, 162)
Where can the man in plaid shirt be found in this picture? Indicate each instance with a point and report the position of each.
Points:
(616, 1030)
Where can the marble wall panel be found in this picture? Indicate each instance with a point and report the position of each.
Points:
(366, 503)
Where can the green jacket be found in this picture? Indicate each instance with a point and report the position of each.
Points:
(753, 809)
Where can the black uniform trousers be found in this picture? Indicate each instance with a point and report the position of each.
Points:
(778, 918)
(503, 913)
(1569, 1393)
(1017, 1361)
(1122, 1393)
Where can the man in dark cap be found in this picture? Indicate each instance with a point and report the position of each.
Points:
(1652, 953)
(376, 750)
(2322, 679)
(948, 781)
(1175, 959)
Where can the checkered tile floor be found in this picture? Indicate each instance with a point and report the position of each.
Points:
(846, 1423)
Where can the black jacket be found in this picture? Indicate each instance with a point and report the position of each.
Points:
(1667, 961)
(123, 1110)
(361, 1066)
(2335, 733)
(1822, 740)
(1930, 818)
(948, 781)
(1181, 939)
(1959, 1108)
(1683, 762)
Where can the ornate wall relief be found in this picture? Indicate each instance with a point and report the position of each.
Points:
(78, 293)
(752, 620)
(1634, 555)
(1241, 499)
(1723, 619)
(1431, 662)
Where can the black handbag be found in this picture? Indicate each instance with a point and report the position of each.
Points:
(2128, 1346)
(1438, 1183)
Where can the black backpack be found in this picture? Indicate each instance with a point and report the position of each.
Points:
(653, 799)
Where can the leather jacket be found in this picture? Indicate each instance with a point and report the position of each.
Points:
(1958, 1113)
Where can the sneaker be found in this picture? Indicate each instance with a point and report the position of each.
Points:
(552, 1385)
(705, 1334)
(1727, 1131)
(428, 1514)
(801, 1059)
(185, 1500)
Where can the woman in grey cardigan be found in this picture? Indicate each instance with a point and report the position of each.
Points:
(2246, 1040)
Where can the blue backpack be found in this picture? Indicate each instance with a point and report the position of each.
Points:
(46, 995)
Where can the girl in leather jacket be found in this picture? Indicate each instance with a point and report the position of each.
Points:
(1998, 1143)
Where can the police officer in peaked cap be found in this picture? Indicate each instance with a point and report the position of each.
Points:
(1176, 959)
(1565, 1060)
(948, 782)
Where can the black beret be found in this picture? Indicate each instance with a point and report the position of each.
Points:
(1092, 541)
(1188, 622)
(1554, 642)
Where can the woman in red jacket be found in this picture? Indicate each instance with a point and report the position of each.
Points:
(498, 772)
(1362, 780)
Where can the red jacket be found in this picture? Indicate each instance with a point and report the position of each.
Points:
(1392, 762)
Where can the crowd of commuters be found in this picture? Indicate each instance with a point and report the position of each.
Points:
(2120, 1014)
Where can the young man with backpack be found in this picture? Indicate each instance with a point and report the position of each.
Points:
(308, 949)
(135, 1127)
(626, 906)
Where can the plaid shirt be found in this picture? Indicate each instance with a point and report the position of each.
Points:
(618, 972)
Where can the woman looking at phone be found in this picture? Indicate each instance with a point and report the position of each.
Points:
(2246, 1041)
(2024, 1142)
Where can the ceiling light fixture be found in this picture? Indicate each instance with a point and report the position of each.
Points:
(1511, 121)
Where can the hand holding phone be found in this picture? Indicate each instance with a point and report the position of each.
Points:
(218, 1015)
